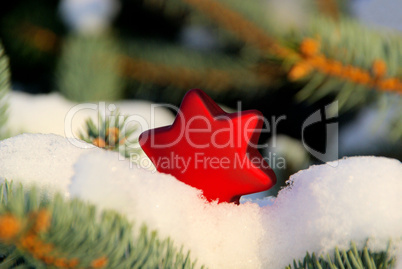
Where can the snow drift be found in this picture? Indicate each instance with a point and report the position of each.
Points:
(321, 208)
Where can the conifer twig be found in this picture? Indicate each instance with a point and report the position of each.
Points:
(314, 60)
(38, 232)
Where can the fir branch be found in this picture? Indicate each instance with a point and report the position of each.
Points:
(4, 89)
(342, 63)
(313, 60)
(111, 133)
(36, 232)
(351, 259)
(251, 33)
(372, 59)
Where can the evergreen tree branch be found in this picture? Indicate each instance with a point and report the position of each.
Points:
(251, 33)
(314, 60)
(36, 232)
(112, 133)
(351, 259)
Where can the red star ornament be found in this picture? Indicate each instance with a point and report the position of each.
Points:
(211, 150)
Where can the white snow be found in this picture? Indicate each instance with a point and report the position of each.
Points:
(322, 208)
(50, 113)
(214, 233)
(326, 206)
(44, 160)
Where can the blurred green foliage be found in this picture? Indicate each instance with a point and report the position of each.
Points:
(4, 90)
(88, 69)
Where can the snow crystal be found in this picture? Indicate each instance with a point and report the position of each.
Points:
(322, 207)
